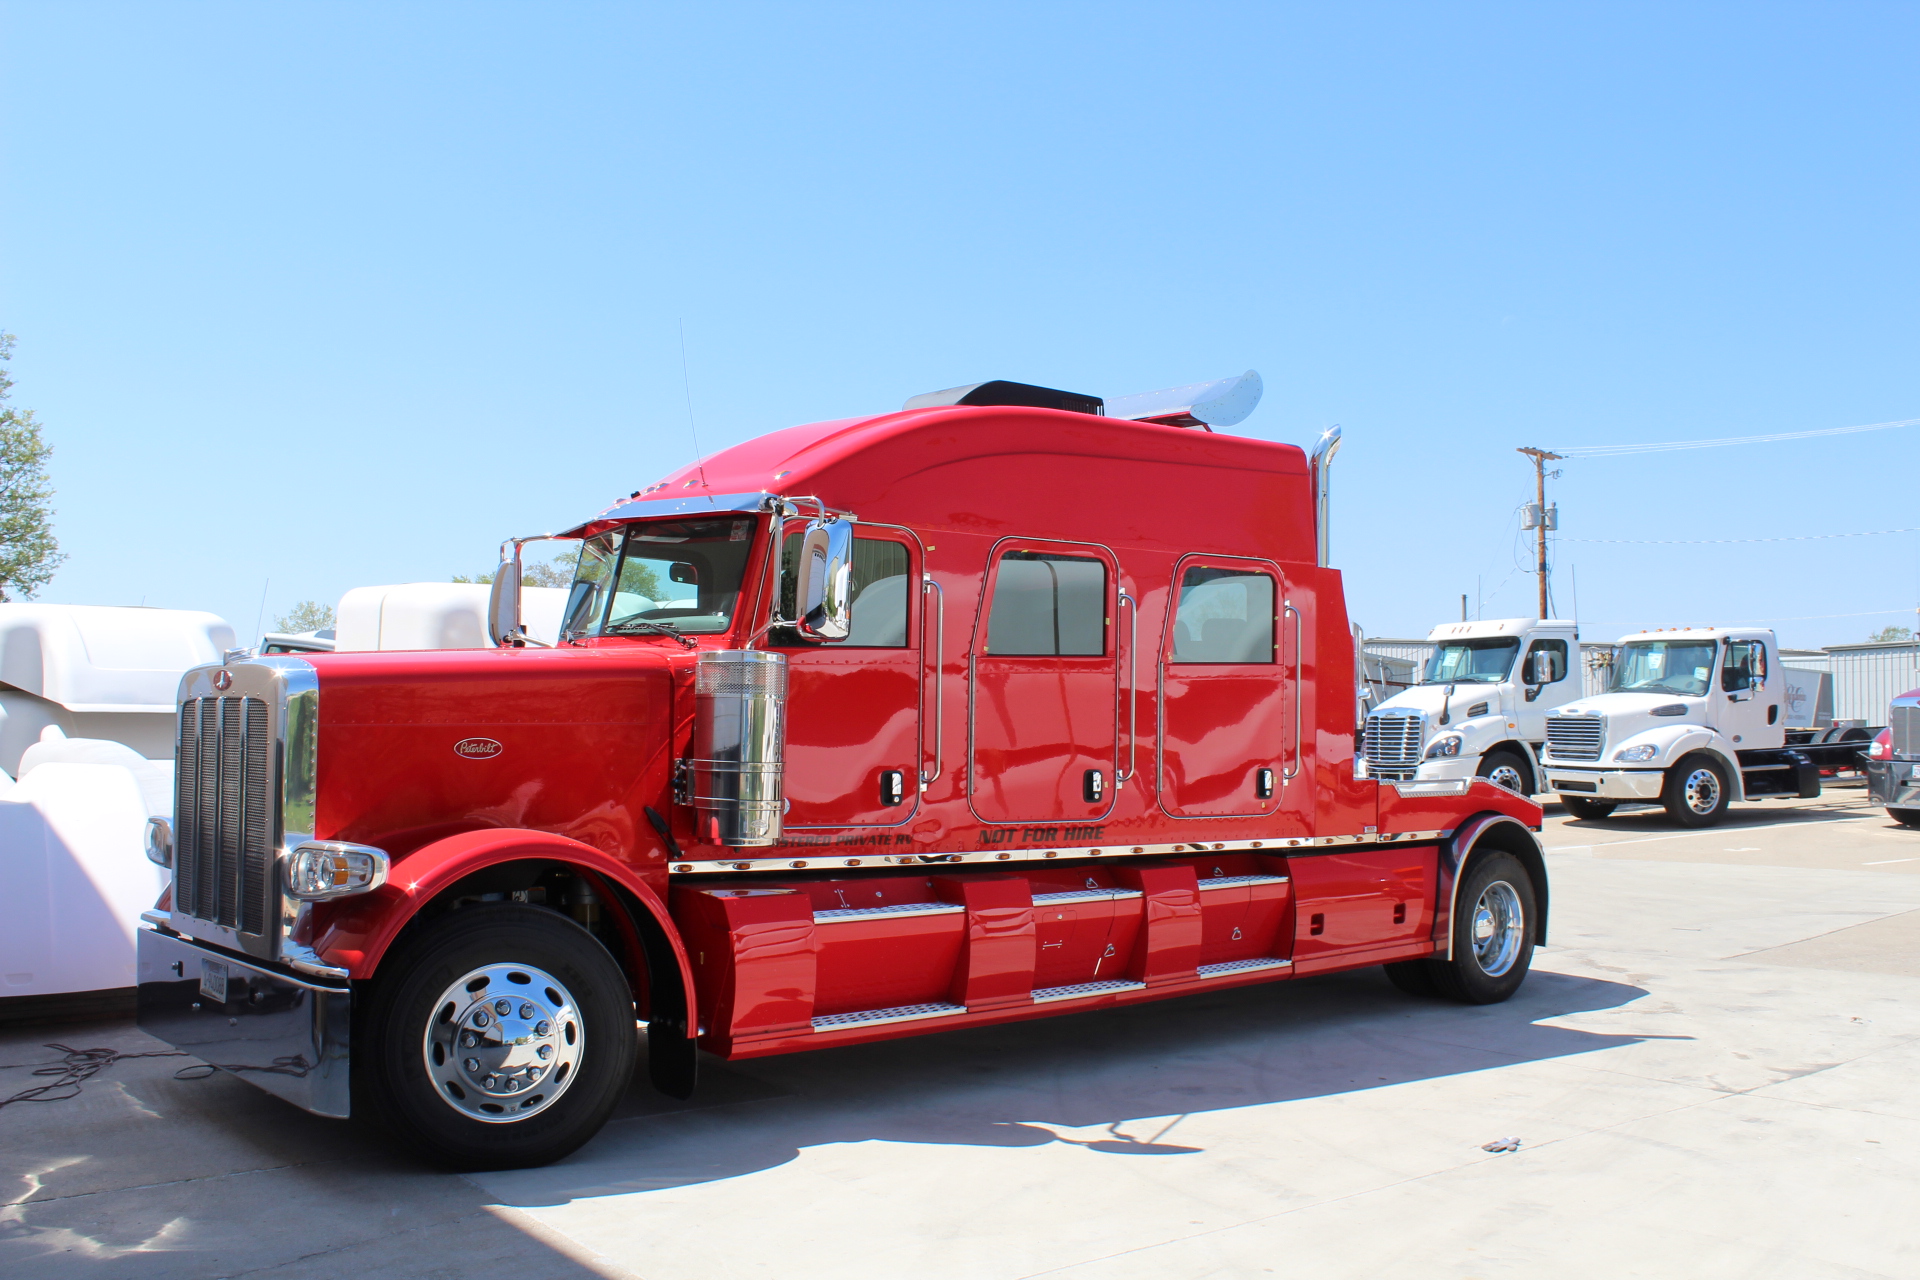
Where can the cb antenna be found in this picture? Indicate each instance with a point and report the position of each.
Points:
(699, 459)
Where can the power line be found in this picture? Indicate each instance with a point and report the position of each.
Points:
(1716, 542)
(1622, 450)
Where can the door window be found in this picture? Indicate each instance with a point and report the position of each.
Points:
(882, 590)
(1224, 615)
(1557, 650)
(1047, 605)
(1746, 665)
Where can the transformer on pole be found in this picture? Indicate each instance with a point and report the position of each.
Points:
(1539, 516)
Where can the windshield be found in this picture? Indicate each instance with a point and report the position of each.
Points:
(1663, 666)
(660, 577)
(1472, 661)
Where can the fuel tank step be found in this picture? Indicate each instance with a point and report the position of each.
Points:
(874, 1017)
(1081, 990)
(1241, 966)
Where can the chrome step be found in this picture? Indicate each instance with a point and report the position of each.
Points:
(1082, 895)
(1242, 966)
(1224, 882)
(833, 914)
(1081, 990)
(873, 1017)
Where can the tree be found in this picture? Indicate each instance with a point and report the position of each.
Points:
(29, 553)
(308, 615)
(1886, 634)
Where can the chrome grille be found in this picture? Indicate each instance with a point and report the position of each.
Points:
(223, 812)
(1392, 744)
(1575, 737)
(1905, 723)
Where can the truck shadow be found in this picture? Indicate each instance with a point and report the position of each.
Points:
(1129, 1076)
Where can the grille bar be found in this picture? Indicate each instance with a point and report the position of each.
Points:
(223, 813)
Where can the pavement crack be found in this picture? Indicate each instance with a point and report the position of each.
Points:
(174, 1182)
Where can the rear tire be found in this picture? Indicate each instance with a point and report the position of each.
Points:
(1505, 769)
(1492, 938)
(1695, 794)
(500, 1037)
(1905, 817)
(1588, 809)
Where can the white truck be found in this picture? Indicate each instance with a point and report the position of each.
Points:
(1694, 719)
(1481, 706)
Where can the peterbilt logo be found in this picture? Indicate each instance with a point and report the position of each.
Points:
(223, 679)
(477, 748)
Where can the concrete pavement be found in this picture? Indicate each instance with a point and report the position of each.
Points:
(1709, 1073)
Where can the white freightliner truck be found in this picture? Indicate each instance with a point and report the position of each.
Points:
(1693, 719)
(1480, 709)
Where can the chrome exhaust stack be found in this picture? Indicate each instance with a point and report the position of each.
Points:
(739, 746)
(1323, 489)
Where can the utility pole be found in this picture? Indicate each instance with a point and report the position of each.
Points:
(1542, 517)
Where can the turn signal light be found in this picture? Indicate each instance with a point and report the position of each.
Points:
(322, 869)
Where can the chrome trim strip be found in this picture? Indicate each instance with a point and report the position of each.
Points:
(838, 915)
(1127, 602)
(894, 861)
(939, 678)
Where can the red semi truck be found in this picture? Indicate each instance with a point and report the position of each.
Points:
(990, 709)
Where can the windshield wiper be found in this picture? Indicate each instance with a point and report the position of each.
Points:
(651, 628)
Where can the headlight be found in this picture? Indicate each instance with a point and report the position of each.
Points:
(160, 841)
(1645, 751)
(323, 869)
(1447, 744)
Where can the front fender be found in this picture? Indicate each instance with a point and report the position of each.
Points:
(1678, 741)
(1478, 834)
(359, 930)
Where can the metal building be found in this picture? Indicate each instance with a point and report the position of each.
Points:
(1866, 677)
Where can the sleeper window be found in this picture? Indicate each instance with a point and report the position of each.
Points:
(1224, 615)
(1046, 604)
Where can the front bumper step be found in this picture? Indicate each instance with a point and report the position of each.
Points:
(287, 1034)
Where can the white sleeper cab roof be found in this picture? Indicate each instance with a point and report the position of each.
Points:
(100, 658)
(436, 615)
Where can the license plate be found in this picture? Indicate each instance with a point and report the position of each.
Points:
(213, 981)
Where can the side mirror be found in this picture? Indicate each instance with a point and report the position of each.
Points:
(684, 572)
(824, 599)
(1540, 667)
(503, 605)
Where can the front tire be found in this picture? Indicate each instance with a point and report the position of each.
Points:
(1905, 817)
(1504, 768)
(1695, 794)
(1492, 938)
(500, 1037)
(1588, 809)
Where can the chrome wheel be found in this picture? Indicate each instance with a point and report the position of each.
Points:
(1702, 791)
(504, 1042)
(1505, 775)
(1499, 928)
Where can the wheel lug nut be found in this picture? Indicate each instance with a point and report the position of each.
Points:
(526, 1010)
(503, 1007)
(545, 1051)
(490, 1082)
(511, 1084)
(473, 1066)
(480, 1018)
(543, 1028)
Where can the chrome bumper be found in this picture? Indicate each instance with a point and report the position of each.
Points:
(287, 1034)
(1605, 784)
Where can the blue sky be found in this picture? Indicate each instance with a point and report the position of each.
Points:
(329, 295)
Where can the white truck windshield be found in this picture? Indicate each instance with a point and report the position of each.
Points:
(1663, 666)
(1484, 661)
(660, 577)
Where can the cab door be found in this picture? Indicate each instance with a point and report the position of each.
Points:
(1749, 711)
(1043, 723)
(853, 708)
(1227, 693)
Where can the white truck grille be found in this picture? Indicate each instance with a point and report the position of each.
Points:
(1392, 744)
(1575, 737)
